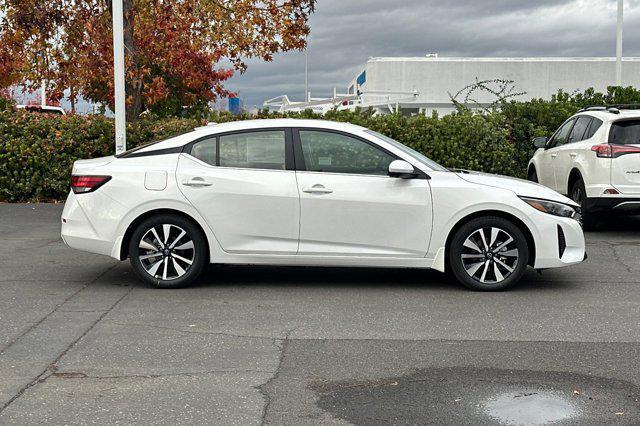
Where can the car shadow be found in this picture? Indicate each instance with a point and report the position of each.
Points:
(611, 222)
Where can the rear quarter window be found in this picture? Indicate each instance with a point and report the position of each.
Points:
(625, 132)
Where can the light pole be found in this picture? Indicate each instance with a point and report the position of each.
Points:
(619, 43)
(118, 77)
(306, 78)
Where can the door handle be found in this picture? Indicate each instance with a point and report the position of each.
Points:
(573, 155)
(317, 189)
(554, 155)
(196, 182)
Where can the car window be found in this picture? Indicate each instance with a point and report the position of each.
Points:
(625, 132)
(205, 150)
(337, 153)
(253, 150)
(561, 136)
(578, 131)
(593, 128)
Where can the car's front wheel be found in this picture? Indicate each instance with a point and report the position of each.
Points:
(167, 251)
(488, 253)
(579, 195)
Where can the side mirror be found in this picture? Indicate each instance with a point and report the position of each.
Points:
(540, 142)
(401, 169)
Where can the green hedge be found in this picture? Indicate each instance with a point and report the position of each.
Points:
(37, 151)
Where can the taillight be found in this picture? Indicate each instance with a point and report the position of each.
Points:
(84, 184)
(606, 150)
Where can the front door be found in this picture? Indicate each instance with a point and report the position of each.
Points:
(241, 184)
(349, 205)
(548, 177)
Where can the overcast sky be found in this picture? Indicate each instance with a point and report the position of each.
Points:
(344, 33)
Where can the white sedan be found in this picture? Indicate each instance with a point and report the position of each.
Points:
(313, 193)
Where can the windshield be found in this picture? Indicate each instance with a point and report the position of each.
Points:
(626, 132)
(412, 152)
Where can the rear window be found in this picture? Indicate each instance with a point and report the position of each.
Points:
(593, 128)
(625, 132)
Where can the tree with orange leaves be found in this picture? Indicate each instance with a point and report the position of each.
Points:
(174, 48)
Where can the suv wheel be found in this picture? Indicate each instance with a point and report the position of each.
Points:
(579, 195)
(488, 253)
(533, 175)
(167, 251)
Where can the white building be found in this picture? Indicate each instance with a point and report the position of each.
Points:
(424, 84)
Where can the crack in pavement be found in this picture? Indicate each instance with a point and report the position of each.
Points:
(212, 333)
(78, 375)
(52, 367)
(55, 309)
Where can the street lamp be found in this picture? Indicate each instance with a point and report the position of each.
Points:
(118, 77)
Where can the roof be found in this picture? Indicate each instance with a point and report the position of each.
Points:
(233, 126)
(610, 116)
(498, 59)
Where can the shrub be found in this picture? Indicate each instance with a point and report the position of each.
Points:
(37, 151)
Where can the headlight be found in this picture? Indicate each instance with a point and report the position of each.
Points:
(551, 207)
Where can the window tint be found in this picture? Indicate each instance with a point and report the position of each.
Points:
(253, 150)
(561, 136)
(337, 153)
(625, 132)
(595, 125)
(205, 150)
(577, 134)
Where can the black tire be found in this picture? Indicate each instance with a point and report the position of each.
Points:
(173, 252)
(486, 278)
(579, 195)
(533, 175)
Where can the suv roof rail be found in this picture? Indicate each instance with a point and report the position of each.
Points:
(612, 108)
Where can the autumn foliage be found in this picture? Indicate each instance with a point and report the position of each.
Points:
(178, 52)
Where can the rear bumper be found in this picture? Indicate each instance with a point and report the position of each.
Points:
(78, 232)
(618, 204)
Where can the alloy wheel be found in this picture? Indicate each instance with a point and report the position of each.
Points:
(166, 252)
(489, 255)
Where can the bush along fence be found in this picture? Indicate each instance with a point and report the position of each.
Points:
(38, 151)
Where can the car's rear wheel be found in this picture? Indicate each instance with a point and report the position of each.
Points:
(488, 253)
(167, 251)
(579, 195)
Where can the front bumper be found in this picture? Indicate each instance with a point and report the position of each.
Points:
(559, 242)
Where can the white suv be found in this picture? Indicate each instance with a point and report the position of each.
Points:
(594, 158)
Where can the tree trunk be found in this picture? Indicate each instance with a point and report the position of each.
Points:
(133, 87)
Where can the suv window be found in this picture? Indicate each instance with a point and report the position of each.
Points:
(582, 124)
(205, 150)
(625, 132)
(595, 125)
(253, 150)
(561, 136)
(337, 153)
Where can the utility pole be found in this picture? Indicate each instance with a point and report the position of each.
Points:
(619, 43)
(43, 93)
(118, 77)
(306, 77)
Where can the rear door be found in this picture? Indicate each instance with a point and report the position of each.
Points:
(244, 185)
(567, 152)
(624, 135)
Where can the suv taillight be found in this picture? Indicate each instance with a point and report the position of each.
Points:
(606, 150)
(84, 184)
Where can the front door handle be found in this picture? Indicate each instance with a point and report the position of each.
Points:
(196, 182)
(317, 189)
(554, 155)
(573, 154)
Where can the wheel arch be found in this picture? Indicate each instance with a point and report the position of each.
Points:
(497, 213)
(126, 239)
(574, 175)
(531, 167)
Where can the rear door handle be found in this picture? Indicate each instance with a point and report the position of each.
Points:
(573, 154)
(317, 189)
(554, 155)
(196, 182)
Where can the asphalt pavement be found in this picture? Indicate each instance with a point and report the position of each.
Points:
(82, 341)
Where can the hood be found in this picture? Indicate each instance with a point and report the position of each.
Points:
(521, 187)
(93, 162)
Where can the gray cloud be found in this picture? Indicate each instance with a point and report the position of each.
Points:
(344, 33)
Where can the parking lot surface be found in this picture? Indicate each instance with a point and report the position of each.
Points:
(83, 342)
